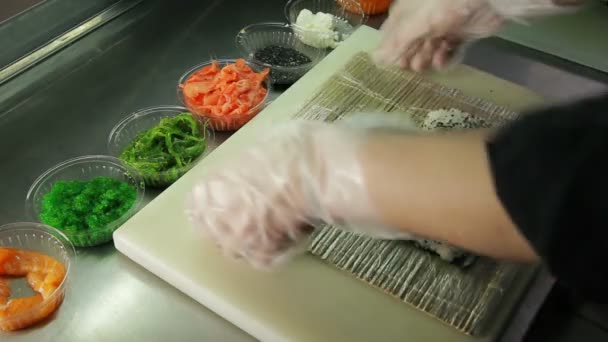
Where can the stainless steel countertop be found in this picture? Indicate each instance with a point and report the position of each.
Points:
(67, 105)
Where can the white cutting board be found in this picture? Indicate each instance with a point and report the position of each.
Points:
(308, 300)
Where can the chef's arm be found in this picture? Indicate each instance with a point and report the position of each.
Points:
(441, 187)
(537, 188)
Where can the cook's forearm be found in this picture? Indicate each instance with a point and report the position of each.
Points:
(441, 188)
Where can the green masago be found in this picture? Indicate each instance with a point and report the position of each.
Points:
(75, 206)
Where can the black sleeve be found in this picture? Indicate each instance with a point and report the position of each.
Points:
(551, 173)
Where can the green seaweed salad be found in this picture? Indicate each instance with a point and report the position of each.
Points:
(165, 152)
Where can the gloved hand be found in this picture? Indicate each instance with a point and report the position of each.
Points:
(261, 206)
(422, 34)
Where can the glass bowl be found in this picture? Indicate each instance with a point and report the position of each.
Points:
(345, 21)
(142, 120)
(82, 169)
(223, 122)
(42, 239)
(369, 7)
(253, 38)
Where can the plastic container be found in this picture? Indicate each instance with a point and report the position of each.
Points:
(346, 22)
(46, 240)
(223, 122)
(369, 7)
(142, 120)
(85, 168)
(258, 36)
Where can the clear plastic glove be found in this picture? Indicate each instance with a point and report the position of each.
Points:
(262, 205)
(419, 35)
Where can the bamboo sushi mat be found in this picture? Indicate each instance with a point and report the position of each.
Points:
(462, 297)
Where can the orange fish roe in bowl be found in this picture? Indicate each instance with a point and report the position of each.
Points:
(42, 256)
(369, 7)
(225, 93)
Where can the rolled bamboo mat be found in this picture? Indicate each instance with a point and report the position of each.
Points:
(462, 297)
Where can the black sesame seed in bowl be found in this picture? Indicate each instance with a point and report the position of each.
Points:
(281, 56)
(275, 45)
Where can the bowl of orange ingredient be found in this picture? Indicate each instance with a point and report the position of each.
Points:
(225, 93)
(40, 254)
(369, 7)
